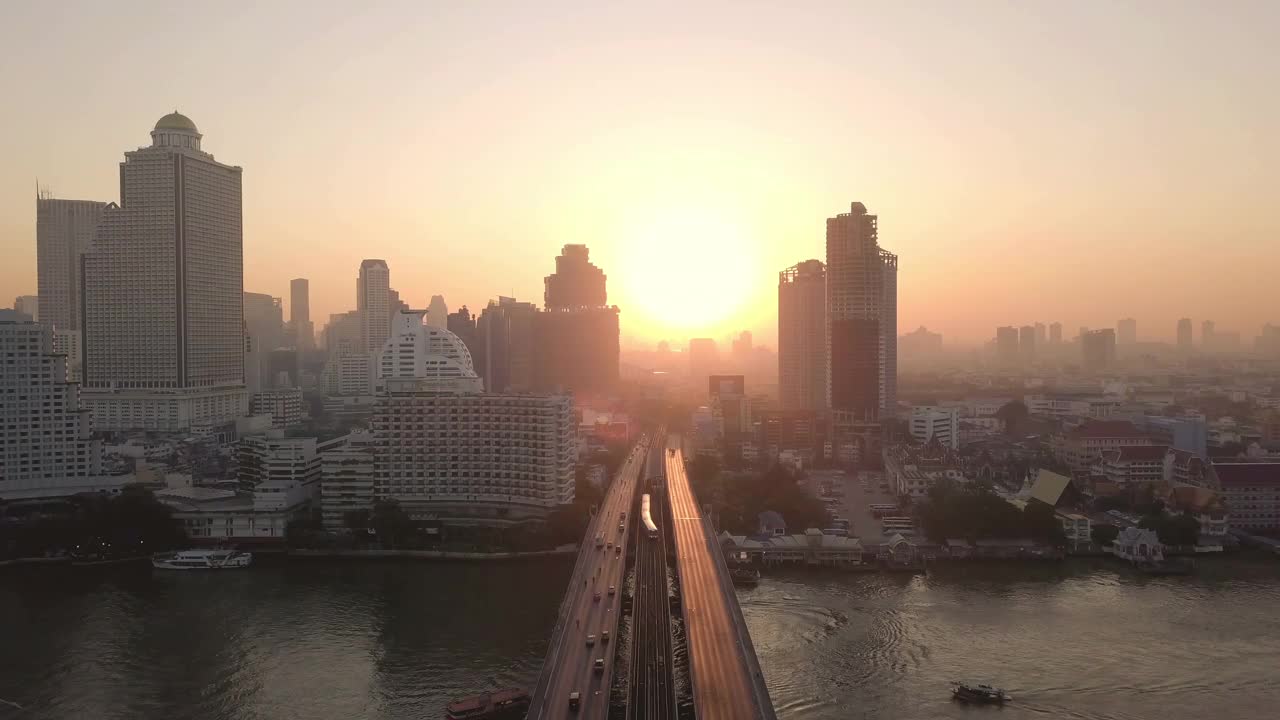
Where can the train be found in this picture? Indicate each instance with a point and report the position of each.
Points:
(647, 518)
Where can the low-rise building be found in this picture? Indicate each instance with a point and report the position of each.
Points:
(283, 406)
(1076, 527)
(911, 470)
(811, 548)
(1207, 508)
(939, 423)
(1081, 447)
(1133, 466)
(1138, 545)
(1251, 491)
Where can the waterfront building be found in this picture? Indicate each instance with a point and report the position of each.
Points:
(175, 240)
(802, 343)
(300, 314)
(374, 304)
(812, 548)
(46, 438)
(1138, 545)
(64, 231)
(447, 451)
(862, 319)
(1251, 491)
(283, 406)
(347, 477)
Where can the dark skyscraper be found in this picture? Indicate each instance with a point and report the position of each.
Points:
(463, 324)
(576, 282)
(300, 313)
(802, 330)
(1007, 345)
(862, 318)
(1099, 348)
(506, 331)
(576, 337)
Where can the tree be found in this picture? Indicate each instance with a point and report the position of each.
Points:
(1173, 529)
(1014, 415)
(1104, 534)
(356, 520)
(392, 524)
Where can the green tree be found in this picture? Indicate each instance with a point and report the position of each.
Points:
(392, 524)
(1104, 534)
(1014, 415)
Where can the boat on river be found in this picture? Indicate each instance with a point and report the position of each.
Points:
(497, 705)
(980, 694)
(745, 576)
(202, 560)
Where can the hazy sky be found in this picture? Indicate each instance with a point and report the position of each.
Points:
(1029, 161)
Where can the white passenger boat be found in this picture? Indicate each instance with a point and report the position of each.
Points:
(202, 560)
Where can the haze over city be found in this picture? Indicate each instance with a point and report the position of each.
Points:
(1077, 163)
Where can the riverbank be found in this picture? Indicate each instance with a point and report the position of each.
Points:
(424, 554)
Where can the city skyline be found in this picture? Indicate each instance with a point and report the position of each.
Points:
(721, 176)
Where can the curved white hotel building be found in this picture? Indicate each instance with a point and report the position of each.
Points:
(447, 450)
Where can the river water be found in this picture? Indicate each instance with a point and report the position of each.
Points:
(352, 641)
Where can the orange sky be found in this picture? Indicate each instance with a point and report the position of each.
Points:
(1028, 161)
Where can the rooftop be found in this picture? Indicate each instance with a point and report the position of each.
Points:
(1247, 473)
(1098, 429)
(176, 121)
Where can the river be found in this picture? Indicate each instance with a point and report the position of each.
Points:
(319, 640)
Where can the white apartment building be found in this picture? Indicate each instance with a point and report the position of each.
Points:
(416, 349)
(281, 472)
(445, 450)
(162, 302)
(927, 423)
(283, 406)
(347, 475)
(46, 438)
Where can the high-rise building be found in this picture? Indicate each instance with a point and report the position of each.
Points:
(448, 451)
(576, 350)
(64, 231)
(742, 346)
(802, 336)
(1099, 348)
(704, 358)
(506, 332)
(1206, 334)
(463, 324)
(919, 344)
(862, 318)
(373, 302)
(1007, 345)
(1027, 344)
(418, 350)
(162, 285)
(342, 327)
(46, 439)
(1042, 335)
(729, 406)
(1055, 333)
(283, 406)
(28, 305)
(576, 282)
(1127, 331)
(577, 337)
(300, 313)
(1185, 340)
(264, 319)
(437, 313)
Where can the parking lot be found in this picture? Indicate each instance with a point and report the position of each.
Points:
(853, 494)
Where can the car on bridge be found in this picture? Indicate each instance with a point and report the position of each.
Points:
(591, 640)
(613, 589)
(599, 665)
(604, 636)
(575, 700)
(597, 596)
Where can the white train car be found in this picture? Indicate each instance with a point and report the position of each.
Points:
(647, 518)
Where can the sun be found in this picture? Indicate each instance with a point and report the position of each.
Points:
(688, 270)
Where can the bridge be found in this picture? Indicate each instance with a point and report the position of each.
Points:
(724, 674)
